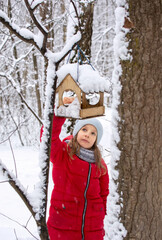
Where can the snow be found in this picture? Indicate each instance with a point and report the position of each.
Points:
(72, 110)
(3, 174)
(89, 80)
(4, 16)
(52, 58)
(24, 32)
(116, 230)
(39, 194)
(56, 57)
(14, 215)
(4, 42)
(11, 204)
(35, 3)
(72, 22)
(27, 158)
(39, 39)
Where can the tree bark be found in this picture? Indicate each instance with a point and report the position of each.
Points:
(85, 26)
(140, 165)
(86, 20)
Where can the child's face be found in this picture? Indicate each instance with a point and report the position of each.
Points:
(87, 136)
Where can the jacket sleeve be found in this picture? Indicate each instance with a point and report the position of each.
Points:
(104, 187)
(56, 143)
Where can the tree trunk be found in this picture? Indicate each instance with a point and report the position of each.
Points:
(37, 87)
(86, 19)
(140, 166)
(86, 27)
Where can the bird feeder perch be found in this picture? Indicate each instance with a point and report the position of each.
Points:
(87, 89)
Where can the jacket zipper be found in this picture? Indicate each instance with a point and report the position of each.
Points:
(85, 203)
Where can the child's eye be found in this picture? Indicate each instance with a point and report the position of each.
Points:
(84, 129)
(93, 133)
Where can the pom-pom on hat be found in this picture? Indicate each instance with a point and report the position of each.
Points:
(92, 121)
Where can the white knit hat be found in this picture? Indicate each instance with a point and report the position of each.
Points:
(92, 121)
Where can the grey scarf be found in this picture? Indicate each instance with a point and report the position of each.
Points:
(86, 155)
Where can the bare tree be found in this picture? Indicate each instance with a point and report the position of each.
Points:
(103, 35)
(140, 181)
(18, 77)
(53, 60)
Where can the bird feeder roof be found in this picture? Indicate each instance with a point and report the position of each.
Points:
(88, 80)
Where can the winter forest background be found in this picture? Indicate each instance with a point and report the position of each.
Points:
(123, 51)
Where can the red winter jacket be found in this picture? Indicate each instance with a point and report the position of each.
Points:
(78, 201)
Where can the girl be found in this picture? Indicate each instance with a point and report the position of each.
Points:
(78, 201)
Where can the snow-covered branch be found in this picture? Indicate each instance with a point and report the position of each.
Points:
(58, 57)
(4, 42)
(22, 57)
(76, 12)
(103, 33)
(22, 33)
(41, 28)
(39, 41)
(38, 204)
(12, 82)
(18, 187)
(35, 3)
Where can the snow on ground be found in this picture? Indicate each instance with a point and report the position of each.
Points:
(13, 211)
(11, 204)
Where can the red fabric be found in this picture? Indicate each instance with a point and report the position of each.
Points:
(75, 235)
(41, 132)
(67, 200)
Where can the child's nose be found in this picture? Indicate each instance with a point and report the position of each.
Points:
(87, 134)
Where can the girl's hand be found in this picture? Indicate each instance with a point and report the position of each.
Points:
(68, 100)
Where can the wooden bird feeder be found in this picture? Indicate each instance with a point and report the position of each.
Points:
(84, 105)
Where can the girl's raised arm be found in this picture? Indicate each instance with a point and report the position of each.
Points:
(56, 144)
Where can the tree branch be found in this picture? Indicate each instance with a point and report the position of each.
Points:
(9, 78)
(18, 31)
(13, 157)
(17, 186)
(17, 128)
(58, 57)
(53, 63)
(12, 132)
(77, 15)
(4, 42)
(42, 29)
(19, 224)
(35, 4)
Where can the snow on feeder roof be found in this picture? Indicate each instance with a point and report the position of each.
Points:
(87, 88)
(86, 78)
